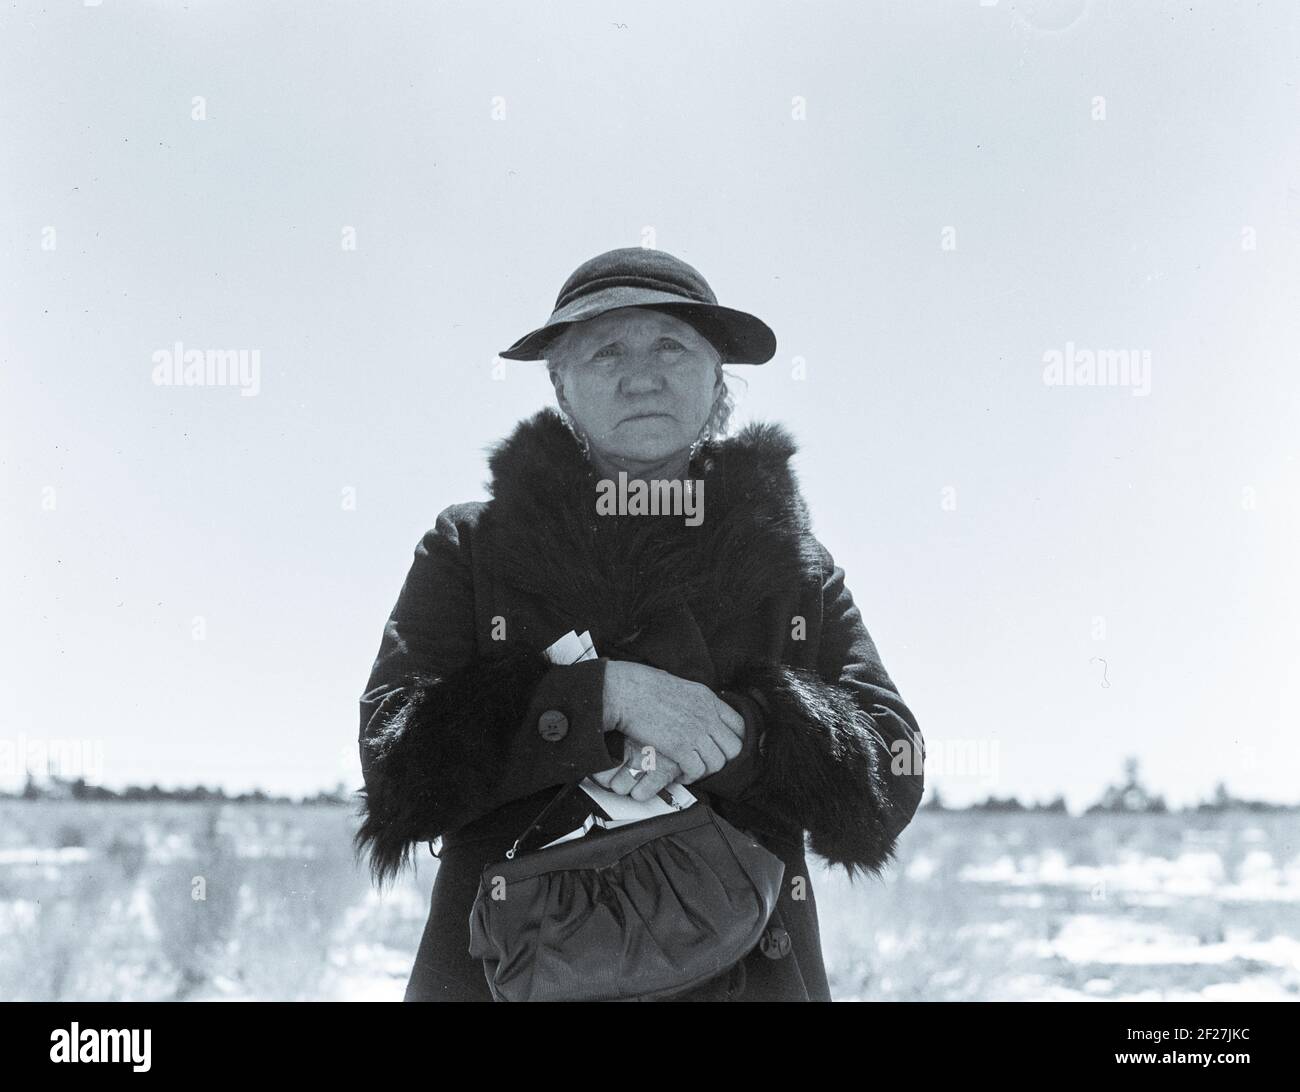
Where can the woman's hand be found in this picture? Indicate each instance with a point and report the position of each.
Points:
(622, 778)
(688, 730)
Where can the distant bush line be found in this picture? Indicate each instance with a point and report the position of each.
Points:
(1128, 797)
(57, 788)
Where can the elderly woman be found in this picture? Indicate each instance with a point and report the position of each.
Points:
(729, 645)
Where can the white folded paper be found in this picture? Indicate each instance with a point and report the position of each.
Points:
(571, 649)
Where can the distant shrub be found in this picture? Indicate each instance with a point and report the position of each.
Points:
(68, 835)
(129, 854)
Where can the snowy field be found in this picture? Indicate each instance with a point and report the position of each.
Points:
(110, 901)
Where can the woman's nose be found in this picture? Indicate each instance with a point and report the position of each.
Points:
(641, 375)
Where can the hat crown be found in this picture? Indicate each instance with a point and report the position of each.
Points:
(636, 267)
(636, 276)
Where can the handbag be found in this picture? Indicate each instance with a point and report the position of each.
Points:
(646, 911)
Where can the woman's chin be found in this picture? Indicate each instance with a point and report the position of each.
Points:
(645, 453)
(643, 444)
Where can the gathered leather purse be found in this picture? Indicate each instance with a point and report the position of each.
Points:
(642, 912)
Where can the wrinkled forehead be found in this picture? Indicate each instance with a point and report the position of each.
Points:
(630, 323)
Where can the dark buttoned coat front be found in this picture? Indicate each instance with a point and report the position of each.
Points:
(467, 729)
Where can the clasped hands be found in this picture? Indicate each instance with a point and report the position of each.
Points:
(675, 730)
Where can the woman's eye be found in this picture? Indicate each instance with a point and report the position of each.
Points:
(671, 344)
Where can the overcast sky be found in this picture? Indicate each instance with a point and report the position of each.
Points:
(924, 200)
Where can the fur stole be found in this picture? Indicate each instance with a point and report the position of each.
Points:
(613, 573)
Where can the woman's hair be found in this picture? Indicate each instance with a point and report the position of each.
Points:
(715, 426)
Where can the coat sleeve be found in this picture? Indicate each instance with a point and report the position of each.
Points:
(448, 734)
(841, 755)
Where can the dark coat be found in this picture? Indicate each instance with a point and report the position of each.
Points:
(748, 603)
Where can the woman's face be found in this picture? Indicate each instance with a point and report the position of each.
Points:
(638, 384)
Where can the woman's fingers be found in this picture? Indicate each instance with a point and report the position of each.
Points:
(733, 720)
(624, 781)
(652, 781)
(723, 731)
(693, 767)
(728, 746)
(727, 740)
(605, 776)
(605, 779)
(713, 756)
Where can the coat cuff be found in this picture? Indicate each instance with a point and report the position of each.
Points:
(562, 737)
(444, 751)
(827, 765)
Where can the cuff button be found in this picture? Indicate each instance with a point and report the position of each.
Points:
(553, 726)
(775, 943)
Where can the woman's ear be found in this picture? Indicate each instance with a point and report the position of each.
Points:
(558, 383)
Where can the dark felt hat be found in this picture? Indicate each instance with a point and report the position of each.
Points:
(634, 276)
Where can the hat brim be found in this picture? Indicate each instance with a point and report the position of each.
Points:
(740, 338)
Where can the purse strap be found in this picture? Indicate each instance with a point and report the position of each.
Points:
(556, 801)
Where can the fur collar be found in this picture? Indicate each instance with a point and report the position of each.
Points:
(613, 574)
